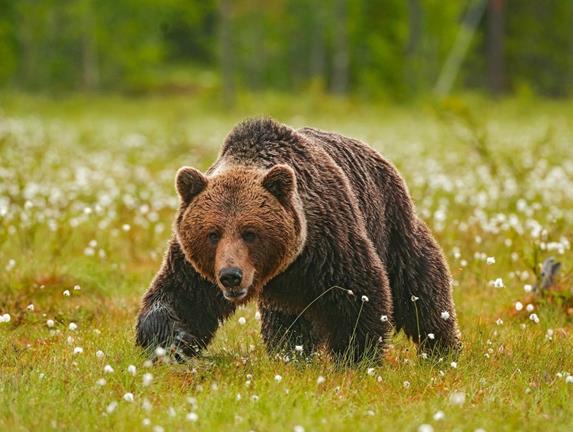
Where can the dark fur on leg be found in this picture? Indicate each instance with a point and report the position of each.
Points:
(282, 333)
(423, 302)
(181, 311)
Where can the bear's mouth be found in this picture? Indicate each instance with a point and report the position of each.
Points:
(235, 295)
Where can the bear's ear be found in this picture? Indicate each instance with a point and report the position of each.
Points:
(189, 182)
(280, 180)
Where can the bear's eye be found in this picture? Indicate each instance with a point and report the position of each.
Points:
(249, 236)
(213, 237)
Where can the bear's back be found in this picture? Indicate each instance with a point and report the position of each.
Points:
(378, 187)
(262, 142)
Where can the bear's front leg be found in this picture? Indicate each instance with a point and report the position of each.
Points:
(288, 333)
(159, 327)
(181, 311)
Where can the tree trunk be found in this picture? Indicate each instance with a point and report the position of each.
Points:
(341, 61)
(495, 58)
(257, 47)
(226, 54)
(460, 49)
(90, 67)
(317, 50)
(26, 43)
(413, 46)
(414, 26)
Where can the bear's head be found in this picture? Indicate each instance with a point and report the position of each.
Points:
(241, 226)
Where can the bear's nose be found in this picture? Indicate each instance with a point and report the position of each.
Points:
(231, 277)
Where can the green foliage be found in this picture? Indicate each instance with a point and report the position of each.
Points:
(393, 48)
(540, 50)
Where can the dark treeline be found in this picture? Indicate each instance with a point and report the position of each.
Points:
(372, 48)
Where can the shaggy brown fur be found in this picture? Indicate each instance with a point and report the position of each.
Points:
(307, 218)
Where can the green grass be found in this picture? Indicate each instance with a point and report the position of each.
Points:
(87, 199)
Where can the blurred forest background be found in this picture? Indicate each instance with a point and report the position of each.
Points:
(373, 49)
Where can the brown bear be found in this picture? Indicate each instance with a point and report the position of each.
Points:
(316, 227)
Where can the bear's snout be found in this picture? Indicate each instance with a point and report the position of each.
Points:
(231, 277)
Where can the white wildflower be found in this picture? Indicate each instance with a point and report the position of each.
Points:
(242, 320)
(192, 417)
(128, 397)
(131, 369)
(445, 315)
(107, 369)
(146, 405)
(147, 379)
(490, 260)
(73, 326)
(111, 407)
(458, 398)
(518, 306)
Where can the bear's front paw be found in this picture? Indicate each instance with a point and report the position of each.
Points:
(185, 345)
(161, 335)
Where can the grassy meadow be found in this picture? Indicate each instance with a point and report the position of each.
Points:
(86, 204)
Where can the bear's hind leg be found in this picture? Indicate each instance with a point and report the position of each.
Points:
(285, 333)
(361, 333)
(422, 295)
